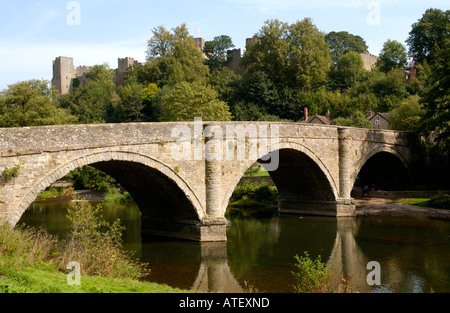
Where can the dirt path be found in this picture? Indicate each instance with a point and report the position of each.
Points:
(383, 204)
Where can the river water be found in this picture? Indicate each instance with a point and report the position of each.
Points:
(413, 253)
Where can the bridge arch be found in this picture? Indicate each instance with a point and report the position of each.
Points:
(307, 163)
(132, 163)
(386, 155)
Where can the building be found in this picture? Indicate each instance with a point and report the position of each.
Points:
(66, 77)
(317, 119)
(123, 66)
(380, 120)
(369, 60)
(410, 70)
(233, 61)
(63, 74)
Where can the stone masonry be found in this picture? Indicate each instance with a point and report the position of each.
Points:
(187, 198)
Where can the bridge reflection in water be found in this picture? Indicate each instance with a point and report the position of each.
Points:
(412, 252)
(346, 260)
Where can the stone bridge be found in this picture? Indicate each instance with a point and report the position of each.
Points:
(182, 174)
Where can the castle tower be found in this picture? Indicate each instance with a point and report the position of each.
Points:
(63, 74)
(369, 60)
(200, 43)
(233, 59)
(124, 65)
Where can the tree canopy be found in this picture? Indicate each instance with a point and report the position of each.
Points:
(31, 103)
(342, 42)
(429, 34)
(294, 55)
(186, 101)
(393, 55)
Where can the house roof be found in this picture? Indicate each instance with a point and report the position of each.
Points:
(321, 118)
(386, 116)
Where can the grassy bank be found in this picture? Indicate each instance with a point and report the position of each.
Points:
(440, 201)
(56, 192)
(46, 278)
(33, 261)
(116, 197)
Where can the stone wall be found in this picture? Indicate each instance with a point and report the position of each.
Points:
(369, 60)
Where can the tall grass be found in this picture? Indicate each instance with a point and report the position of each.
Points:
(92, 242)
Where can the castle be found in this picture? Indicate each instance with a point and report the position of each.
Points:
(66, 76)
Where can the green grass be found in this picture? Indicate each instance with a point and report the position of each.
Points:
(261, 173)
(439, 201)
(45, 278)
(421, 202)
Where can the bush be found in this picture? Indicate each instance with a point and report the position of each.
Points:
(440, 201)
(114, 196)
(312, 276)
(9, 173)
(97, 245)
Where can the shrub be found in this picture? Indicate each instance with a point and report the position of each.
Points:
(312, 276)
(9, 173)
(440, 201)
(114, 196)
(97, 245)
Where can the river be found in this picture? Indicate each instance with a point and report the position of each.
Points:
(413, 252)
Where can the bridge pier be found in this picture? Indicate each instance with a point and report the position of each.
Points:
(212, 227)
(338, 208)
(207, 230)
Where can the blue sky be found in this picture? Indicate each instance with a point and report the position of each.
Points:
(33, 33)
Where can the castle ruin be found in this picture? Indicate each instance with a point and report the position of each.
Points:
(66, 76)
(369, 60)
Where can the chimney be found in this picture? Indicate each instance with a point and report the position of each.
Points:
(306, 114)
(328, 115)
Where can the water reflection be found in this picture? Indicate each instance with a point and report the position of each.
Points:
(413, 252)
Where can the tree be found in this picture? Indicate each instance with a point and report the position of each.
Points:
(383, 91)
(96, 100)
(260, 90)
(428, 34)
(185, 101)
(31, 103)
(342, 42)
(131, 105)
(407, 116)
(393, 55)
(358, 119)
(216, 51)
(435, 97)
(160, 43)
(148, 95)
(348, 71)
(292, 56)
(173, 57)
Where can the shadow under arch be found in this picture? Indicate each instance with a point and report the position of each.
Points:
(162, 196)
(384, 167)
(304, 182)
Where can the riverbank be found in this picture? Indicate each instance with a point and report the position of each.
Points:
(44, 278)
(385, 203)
